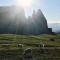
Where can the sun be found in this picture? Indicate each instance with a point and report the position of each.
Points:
(24, 3)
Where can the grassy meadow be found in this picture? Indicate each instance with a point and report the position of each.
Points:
(9, 49)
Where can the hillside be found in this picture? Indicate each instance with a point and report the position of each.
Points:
(30, 39)
(12, 46)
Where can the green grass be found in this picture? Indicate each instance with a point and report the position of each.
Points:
(31, 39)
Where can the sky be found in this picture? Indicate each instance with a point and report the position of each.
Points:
(50, 8)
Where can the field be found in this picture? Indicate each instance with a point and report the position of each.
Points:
(11, 50)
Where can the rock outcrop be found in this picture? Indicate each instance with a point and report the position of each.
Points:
(13, 21)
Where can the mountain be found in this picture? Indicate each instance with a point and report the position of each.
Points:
(13, 20)
(55, 27)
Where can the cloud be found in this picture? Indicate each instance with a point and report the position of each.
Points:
(53, 21)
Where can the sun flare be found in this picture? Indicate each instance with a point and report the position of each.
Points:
(24, 3)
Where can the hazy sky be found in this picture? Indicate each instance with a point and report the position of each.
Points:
(50, 8)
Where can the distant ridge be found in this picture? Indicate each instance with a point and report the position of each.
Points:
(55, 27)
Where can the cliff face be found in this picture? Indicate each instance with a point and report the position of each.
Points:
(40, 21)
(13, 20)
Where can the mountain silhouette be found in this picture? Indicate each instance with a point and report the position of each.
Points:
(13, 21)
